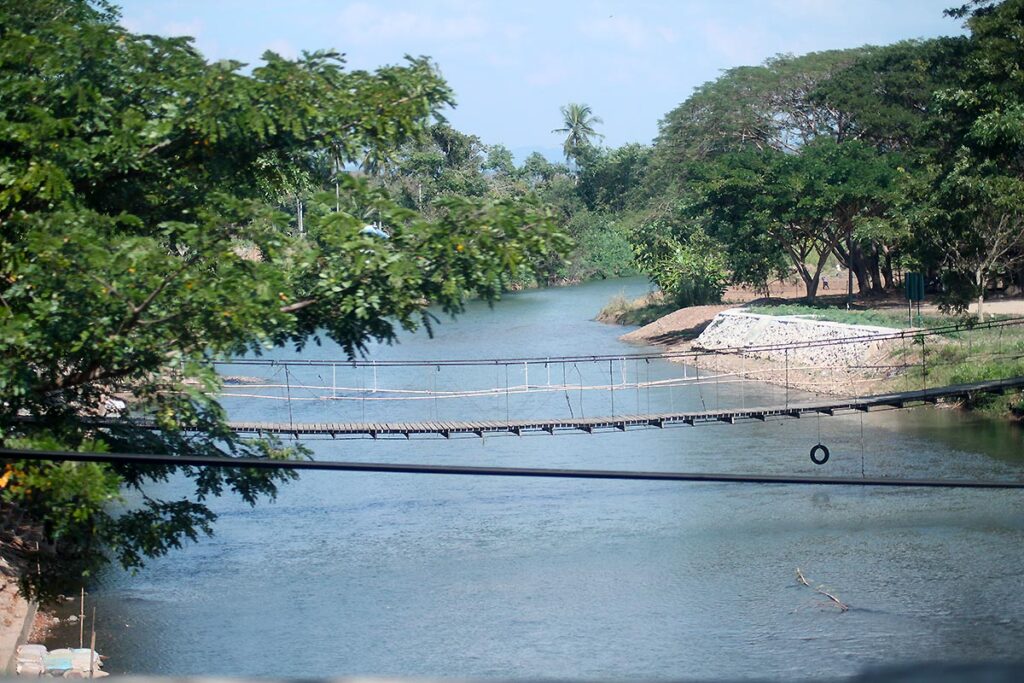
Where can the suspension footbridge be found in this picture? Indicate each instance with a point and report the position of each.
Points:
(590, 394)
(590, 425)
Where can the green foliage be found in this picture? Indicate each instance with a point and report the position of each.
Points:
(766, 160)
(968, 207)
(442, 163)
(989, 357)
(139, 240)
(749, 107)
(888, 93)
(611, 180)
(602, 246)
(621, 311)
(691, 272)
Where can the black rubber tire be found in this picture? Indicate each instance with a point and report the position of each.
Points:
(824, 454)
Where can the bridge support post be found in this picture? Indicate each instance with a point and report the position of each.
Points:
(787, 377)
(924, 363)
(611, 385)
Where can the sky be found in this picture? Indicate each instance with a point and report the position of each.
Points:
(513, 63)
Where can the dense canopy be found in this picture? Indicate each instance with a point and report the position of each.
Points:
(141, 236)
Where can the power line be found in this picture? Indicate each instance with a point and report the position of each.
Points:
(409, 468)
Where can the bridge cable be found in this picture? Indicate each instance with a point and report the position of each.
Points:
(408, 468)
(862, 444)
(565, 389)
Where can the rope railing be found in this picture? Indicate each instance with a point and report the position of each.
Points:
(383, 394)
(908, 334)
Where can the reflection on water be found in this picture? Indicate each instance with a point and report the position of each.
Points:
(456, 576)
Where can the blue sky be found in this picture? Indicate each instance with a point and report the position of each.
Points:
(513, 63)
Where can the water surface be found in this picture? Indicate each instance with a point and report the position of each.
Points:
(412, 575)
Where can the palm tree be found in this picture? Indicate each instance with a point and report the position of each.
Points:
(578, 125)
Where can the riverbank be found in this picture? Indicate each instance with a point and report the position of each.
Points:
(16, 617)
(21, 620)
(841, 370)
(958, 357)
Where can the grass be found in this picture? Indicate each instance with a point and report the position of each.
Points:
(967, 356)
(878, 317)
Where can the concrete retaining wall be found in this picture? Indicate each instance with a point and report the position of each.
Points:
(738, 328)
(21, 615)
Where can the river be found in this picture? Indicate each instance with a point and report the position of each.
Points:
(416, 575)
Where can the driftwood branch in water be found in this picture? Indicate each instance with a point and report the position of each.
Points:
(821, 590)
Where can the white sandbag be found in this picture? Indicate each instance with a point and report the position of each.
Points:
(83, 658)
(56, 662)
(30, 658)
(30, 668)
(31, 652)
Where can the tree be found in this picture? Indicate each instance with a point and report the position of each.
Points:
(442, 163)
(578, 123)
(499, 161)
(613, 179)
(752, 107)
(969, 209)
(139, 240)
(766, 206)
(887, 95)
(691, 270)
(803, 149)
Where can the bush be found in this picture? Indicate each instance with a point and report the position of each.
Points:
(694, 273)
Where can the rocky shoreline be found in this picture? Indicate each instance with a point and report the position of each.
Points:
(848, 369)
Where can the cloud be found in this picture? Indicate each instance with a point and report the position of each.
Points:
(362, 23)
(810, 9)
(549, 72)
(627, 31)
(192, 28)
(737, 44)
(153, 23)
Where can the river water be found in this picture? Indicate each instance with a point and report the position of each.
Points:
(429, 575)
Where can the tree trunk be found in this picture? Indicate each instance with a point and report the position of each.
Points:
(860, 269)
(810, 281)
(887, 269)
(875, 270)
(810, 285)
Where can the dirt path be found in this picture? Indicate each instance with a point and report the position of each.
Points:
(676, 328)
(997, 307)
(679, 327)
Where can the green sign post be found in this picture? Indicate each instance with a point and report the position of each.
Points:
(914, 285)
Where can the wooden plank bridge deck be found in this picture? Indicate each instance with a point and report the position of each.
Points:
(447, 429)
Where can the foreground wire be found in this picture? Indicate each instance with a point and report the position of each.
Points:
(409, 468)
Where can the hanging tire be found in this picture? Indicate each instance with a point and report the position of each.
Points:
(823, 457)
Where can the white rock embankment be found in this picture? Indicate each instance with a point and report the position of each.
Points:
(739, 329)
